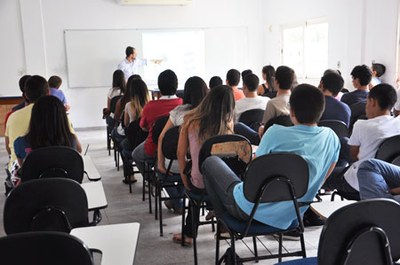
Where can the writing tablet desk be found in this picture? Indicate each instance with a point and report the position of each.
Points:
(116, 242)
(326, 208)
(90, 169)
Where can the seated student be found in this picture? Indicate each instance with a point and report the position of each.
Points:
(331, 84)
(246, 72)
(279, 106)
(378, 70)
(267, 89)
(44, 131)
(214, 116)
(54, 85)
(23, 103)
(214, 82)
(139, 96)
(152, 111)
(366, 137)
(18, 122)
(378, 179)
(117, 89)
(361, 75)
(319, 146)
(251, 100)
(232, 80)
(194, 91)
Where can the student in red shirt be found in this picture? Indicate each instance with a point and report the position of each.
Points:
(152, 111)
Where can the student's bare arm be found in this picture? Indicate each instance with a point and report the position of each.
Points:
(160, 155)
(330, 170)
(354, 151)
(7, 142)
(183, 144)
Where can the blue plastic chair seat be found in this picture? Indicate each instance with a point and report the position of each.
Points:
(256, 228)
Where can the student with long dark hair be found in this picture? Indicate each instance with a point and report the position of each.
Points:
(214, 116)
(49, 126)
(267, 88)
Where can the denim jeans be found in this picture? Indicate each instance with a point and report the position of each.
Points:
(376, 178)
(139, 156)
(176, 191)
(244, 130)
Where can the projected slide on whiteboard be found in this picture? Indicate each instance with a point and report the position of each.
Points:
(180, 51)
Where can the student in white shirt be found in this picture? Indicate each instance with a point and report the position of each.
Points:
(367, 136)
(251, 100)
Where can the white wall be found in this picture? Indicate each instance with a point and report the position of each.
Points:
(42, 36)
(359, 31)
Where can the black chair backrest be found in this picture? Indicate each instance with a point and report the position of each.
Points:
(53, 161)
(170, 143)
(339, 127)
(44, 248)
(389, 149)
(158, 126)
(252, 117)
(283, 120)
(113, 103)
(234, 149)
(264, 169)
(347, 222)
(46, 204)
(135, 134)
(357, 113)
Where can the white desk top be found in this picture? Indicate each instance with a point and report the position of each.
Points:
(117, 242)
(90, 168)
(326, 208)
(95, 195)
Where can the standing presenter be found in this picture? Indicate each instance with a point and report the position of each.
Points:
(131, 63)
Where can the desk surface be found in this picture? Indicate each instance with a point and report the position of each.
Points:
(95, 195)
(90, 168)
(326, 208)
(117, 242)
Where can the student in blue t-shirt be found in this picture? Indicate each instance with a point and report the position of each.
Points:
(319, 146)
(54, 85)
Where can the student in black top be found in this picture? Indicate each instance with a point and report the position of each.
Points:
(361, 75)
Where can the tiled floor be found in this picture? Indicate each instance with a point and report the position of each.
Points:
(125, 207)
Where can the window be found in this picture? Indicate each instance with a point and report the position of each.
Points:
(305, 48)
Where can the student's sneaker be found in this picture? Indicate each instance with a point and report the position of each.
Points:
(310, 218)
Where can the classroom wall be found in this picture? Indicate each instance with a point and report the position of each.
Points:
(33, 40)
(40, 39)
(359, 31)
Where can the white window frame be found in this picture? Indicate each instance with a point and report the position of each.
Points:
(300, 69)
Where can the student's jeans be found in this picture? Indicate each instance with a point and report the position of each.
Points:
(244, 130)
(220, 181)
(376, 178)
(139, 156)
(175, 191)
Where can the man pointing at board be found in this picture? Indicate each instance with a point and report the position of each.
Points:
(130, 64)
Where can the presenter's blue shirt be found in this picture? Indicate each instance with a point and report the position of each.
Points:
(319, 146)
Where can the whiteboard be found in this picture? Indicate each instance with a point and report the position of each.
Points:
(93, 55)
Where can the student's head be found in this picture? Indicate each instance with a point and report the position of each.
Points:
(167, 82)
(214, 114)
(36, 87)
(330, 71)
(246, 72)
(119, 80)
(49, 124)
(361, 75)
(232, 77)
(22, 82)
(215, 81)
(382, 96)
(307, 104)
(268, 74)
(194, 92)
(55, 82)
(284, 76)
(332, 82)
(130, 52)
(136, 76)
(251, 82)
(139, 94)
(378, 69)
